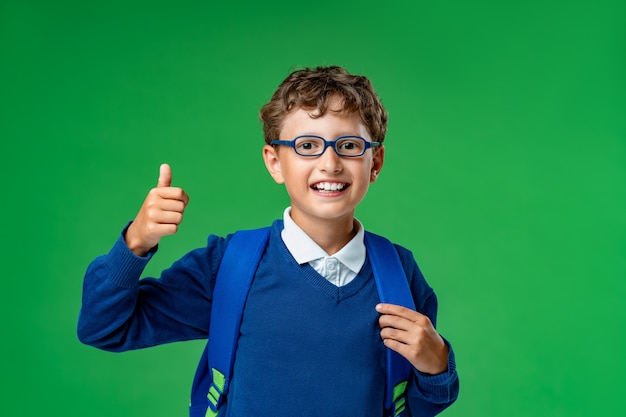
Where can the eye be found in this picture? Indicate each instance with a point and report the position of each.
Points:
(347, 145)
(351, 145)
(308, 145)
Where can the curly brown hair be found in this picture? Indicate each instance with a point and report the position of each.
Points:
(313, 88)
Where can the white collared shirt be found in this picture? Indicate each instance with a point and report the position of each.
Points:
(340, 268)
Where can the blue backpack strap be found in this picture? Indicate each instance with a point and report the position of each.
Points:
(237, 268)
(393, 288)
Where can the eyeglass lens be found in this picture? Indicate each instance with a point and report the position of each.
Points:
(351, 146)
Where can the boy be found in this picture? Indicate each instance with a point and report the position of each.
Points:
(310, 338)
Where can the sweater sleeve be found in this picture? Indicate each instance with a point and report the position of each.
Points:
(122, 312)
(428, 395)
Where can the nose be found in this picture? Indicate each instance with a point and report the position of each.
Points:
(329, 161)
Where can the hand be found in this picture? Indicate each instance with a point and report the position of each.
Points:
(413, 336)
(160, 214)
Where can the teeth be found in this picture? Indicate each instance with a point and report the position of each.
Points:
(328, 186)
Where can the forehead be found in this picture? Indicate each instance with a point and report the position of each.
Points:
(335, 122)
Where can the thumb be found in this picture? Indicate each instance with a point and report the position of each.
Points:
(165, 176)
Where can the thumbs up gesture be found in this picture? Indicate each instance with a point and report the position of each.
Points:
(160, 214)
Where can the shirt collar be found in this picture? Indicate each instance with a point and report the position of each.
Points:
(305, 250)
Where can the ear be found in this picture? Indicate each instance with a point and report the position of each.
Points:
(378, 159)
(272, 163)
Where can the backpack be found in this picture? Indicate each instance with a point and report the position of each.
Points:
(235, 274)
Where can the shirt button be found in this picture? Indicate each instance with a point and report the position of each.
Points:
(331, 264)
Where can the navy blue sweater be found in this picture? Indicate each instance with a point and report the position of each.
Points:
(307, 347)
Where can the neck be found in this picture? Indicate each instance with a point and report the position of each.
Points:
(330, 235)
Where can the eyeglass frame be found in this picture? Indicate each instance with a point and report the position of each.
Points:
(327, 143)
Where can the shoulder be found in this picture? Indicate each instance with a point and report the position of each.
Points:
(419, 286)
(406, 256)
(245, 239)
(276, 227)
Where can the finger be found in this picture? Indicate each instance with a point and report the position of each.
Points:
(395, 322)
(403, 349)
(397, 346)
(428, 354)
(164, 229)
(174, 205)
(405, 323)
(385, 308)
(165, 176)
(397, 310)
(390, 333)
(172, 193)
(168, 217)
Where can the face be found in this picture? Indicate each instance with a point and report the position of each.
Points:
(326, 188)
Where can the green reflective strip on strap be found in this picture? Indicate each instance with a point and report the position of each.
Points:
(210, 413)
(399, 401)
(398, 390)
(215, 391)
(219, 379)
(399, 406)
(213, 395)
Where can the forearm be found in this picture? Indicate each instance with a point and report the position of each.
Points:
(121, 312)
(110, 296)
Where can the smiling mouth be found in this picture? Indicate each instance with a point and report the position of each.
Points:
(330, 186)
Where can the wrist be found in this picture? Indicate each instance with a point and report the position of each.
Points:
(134, 243)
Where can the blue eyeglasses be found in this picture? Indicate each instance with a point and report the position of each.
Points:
(308, 145)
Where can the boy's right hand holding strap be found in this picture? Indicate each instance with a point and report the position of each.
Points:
(160, 215)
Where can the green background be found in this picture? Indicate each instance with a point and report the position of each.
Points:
(505, 174)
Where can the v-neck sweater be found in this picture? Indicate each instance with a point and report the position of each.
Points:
(306, 347)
